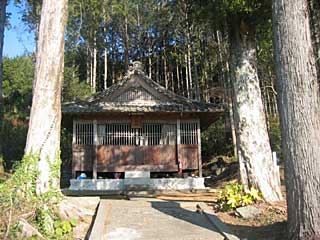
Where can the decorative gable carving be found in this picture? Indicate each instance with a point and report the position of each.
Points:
(134, 95)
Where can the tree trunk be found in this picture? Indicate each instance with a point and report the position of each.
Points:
(149, 56)
(126, 45)
(165, 64)
(187, 75)
(88, 62)
(189, 70)
(299, 106)
(157, 70)
(105, 77)
(45, 119)
(94, 68)
(257, 167)
(178, 77)
(196, 77)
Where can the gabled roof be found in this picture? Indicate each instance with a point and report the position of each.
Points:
(137, 93)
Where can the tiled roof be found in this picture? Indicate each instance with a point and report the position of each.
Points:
(102, 102)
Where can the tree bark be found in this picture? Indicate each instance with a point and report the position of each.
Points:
(94, 67)
(165, 63)
(196, 77)
(126, 44)
(255, 157)
(45, 119)
(88, 62)
(187, 75)
(105, 77)
(299, 107)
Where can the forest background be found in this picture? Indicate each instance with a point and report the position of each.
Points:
(181, 44)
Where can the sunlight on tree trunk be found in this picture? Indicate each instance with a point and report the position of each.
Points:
(299, 105)
(45, 119)
(257, 169)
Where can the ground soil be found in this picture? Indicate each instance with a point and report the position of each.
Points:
(270, 225)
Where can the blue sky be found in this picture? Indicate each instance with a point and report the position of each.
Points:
(17, 40)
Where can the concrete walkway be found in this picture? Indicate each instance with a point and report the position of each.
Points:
(153, 219)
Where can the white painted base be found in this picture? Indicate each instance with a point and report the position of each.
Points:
(137, 174)
(136, 183)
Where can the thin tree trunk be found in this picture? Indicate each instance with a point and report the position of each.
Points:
(181, 76)
(228, 91)
(299, 105)
(105, 78)
(196, 80)
(178, 77)
(113, 64)
(150, 57)
(165, 68)
(126, 45)
(190, 70)
(88, 63)
(94, 68)
(257, 166)
(45, 118)
(172, 81)
(187, 75)
(157, 70)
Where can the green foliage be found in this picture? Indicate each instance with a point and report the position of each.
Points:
(73, 88)
(53, 227)
(22, 184)
(44, 220)
(13, 135)
(17, 85)
(275, 135)
(18, 196)
(234, 195)
(62, 226)
(215, 141)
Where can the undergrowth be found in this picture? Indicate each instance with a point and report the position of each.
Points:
(19, 200)
(234, 195)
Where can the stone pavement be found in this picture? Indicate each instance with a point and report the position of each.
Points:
(154, 219)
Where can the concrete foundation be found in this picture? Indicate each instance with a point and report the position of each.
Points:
(137, 184)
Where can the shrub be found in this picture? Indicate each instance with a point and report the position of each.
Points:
(234, 195)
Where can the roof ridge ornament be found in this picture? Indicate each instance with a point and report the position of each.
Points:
(135, 67)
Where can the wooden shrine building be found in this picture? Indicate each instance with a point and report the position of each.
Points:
(137, 125)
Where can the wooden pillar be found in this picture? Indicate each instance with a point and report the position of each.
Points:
(178, 145)
(95, 147)
(199, 148)
(73, 143)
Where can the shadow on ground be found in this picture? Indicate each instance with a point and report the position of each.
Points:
(174, 209)
(276, 231)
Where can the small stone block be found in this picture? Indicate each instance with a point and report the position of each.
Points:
(248, 212)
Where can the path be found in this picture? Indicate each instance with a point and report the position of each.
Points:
(154, 219)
